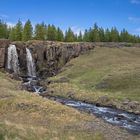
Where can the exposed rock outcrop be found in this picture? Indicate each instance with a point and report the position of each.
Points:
(127, 105)
(50, 57)
(3, 45)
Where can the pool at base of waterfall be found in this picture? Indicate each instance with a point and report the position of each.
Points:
(32, 84)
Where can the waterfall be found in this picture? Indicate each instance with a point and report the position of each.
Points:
(12, 62)
(30, 64)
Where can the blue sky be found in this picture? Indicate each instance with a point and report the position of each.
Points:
(77, 14)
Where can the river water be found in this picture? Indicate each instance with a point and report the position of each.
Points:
(123, 119)
(126, 120)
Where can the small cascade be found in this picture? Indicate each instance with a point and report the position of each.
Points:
(30, 64)
(12, 61)
(31, 82)
(38, 89)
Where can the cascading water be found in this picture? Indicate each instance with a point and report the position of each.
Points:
(32, 81)
(114, 116)
(12, 62)
(30, 64)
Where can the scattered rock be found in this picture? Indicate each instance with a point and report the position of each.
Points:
(133, 105)
(102, 85)
(126, 102)
(15, 77)
(70, 94)
(103, 99)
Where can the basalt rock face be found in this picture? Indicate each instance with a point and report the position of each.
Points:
(49, 57)
(3, 47)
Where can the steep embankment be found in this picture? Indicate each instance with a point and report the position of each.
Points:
(107, 76)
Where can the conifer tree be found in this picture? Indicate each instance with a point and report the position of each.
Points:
(40, 32)
(101, 34)
(107, 35)
(95, 33)
(86, 36)
(114, 35)
(124, 36)
(60, 35)
(80, 37)
(51, 33)
(12, 33)
(27, 31)
(3, 30)
(69, 36)
(18, 31)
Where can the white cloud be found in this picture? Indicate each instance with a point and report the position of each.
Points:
(138, 30)
(77, 30)
(10, 24)
(4, 16)
(134, 19)
(135, 1)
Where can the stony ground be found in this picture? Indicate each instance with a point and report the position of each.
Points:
(26, 116)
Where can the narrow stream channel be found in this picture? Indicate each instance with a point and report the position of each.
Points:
(129, 121)
(123, 119)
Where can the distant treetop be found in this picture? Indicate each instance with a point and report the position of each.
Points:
(49, 32)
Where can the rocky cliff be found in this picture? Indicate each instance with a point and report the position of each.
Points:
(50, 57)
(3, 45)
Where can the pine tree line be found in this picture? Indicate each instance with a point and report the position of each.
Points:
(49, 32)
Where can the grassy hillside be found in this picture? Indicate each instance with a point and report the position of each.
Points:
(110, 72)
(26, 116)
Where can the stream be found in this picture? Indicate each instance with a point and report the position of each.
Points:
(123, 119)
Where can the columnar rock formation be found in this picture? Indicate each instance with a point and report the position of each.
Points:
(49, 57)
(3, 46)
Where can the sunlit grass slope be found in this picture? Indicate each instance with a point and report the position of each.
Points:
(114, 72)
(26, 116)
